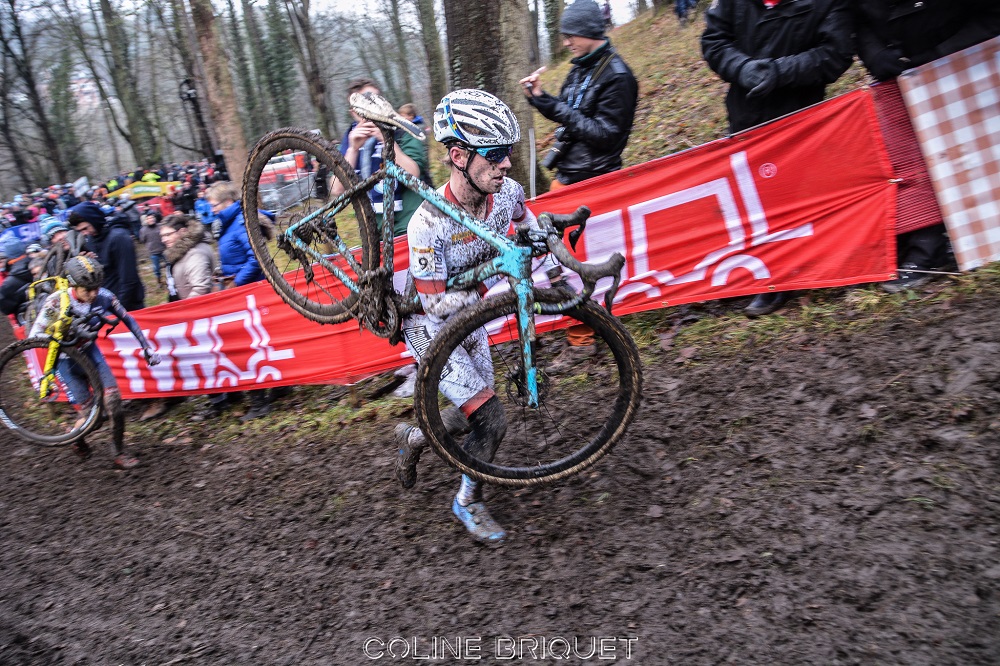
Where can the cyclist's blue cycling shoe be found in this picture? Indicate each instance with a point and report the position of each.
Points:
(479, 522)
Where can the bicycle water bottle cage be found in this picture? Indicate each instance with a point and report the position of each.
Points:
(378, 110)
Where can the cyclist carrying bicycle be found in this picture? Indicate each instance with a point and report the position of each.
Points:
(479, 132)
(90, 306)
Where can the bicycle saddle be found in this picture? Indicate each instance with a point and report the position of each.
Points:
(377, 109)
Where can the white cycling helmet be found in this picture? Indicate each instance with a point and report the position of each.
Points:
(475, 118)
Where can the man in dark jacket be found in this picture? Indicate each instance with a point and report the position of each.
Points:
(894, 36)
(596, 104)
(778, 56)
(111, 243)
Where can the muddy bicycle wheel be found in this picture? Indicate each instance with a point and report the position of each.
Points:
(291, 186)
(584, 407)
(51, 420)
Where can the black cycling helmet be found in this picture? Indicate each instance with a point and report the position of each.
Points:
(84, 272)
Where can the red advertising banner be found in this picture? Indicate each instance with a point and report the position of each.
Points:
(804, 202)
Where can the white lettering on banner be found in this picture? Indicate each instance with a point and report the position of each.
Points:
(650, 281)
(203, 363)
(607, 234)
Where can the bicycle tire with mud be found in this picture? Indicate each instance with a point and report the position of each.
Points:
(621, 400)
(312, 298)
(21, 416)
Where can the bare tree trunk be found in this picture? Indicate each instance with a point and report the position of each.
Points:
(385, 61)
(553, 12)
(219, 86)
(112, 139)
(305, 42)
(86, 52)
(252, 101)
(126, 88)
(535, 56)
(178, 35)
(254, 44)
(432, 50)
(10, 138)
(16, 47)
(402, 60)
(488, 43)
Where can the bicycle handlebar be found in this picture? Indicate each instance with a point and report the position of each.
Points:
(78, 334)
(554, 226)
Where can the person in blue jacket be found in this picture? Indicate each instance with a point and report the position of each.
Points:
(236, 258)
(239, 266)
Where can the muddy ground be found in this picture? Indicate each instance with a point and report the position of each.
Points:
(825, 500)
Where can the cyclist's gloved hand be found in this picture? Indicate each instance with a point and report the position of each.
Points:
(216, 228)
(152, 358)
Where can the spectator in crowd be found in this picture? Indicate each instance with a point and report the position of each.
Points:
(150, 237)
(238, 262)
(596, 104)
(16, 275)
(595, 109)
(191, 263)
(34, 250)
(683, 10)
(778, 56)
(409, 111)
(606, 14)
(203, 209)
(127, 208)
(57, 236)
(361, 146)
(239, 267)
(111, 243)
(184, 197)
(190, 257)
(18, 214)
(894, 36)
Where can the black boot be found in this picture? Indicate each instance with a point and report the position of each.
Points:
(259, 405)
(765, 304)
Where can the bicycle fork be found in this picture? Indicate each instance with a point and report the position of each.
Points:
(526, 334)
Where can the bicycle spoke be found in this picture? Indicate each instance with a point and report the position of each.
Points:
(582, 403)
(45, 419)
(321, 238)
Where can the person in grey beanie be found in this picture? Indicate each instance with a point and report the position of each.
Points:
(595, 109)
(596, 105)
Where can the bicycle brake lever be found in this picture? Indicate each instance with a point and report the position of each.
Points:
(574, 235)
(609, 296)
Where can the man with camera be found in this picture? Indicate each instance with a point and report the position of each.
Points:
(596, 104)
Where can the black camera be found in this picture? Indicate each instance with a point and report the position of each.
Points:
(558, 149)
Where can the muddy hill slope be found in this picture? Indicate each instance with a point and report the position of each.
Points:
(822, 498)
